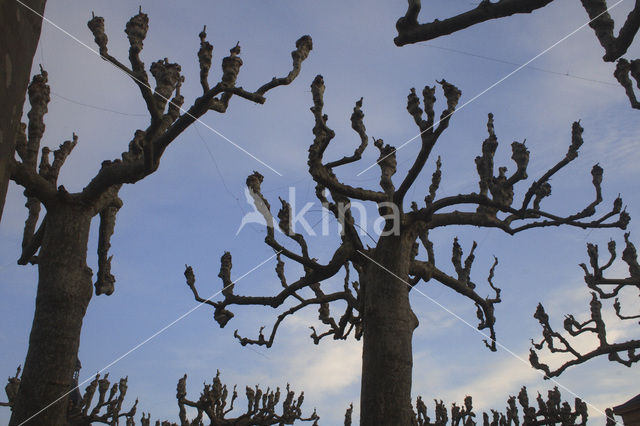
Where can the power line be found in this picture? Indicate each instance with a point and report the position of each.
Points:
(502, 61)
(96, 107)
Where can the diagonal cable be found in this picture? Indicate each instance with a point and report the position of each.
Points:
(148, 339)
(506, 349)
(182, 110)
(491, 87)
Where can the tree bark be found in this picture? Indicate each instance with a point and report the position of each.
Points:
(64, 292)
(389, 322)
(19, 32)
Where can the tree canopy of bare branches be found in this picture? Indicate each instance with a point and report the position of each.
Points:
(59, 244)
(602, 288)
(626, 71)
(376, 303)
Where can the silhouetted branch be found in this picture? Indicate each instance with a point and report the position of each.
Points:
(497, 195)
(409, 31)
(150, 144)
(223, 315)
(108, 407)
(320, 172)
(464, 286)
(428, 135)
(552, 411)
(105, 282)
(624, 69)
(261, 406)
(11, 389)
(555, 342)
(136, 30)
(603, 26)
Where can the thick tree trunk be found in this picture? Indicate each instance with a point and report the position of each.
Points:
(19, 32)
(64, 292)
(389, 322)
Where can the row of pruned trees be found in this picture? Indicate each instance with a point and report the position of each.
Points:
(376, 299)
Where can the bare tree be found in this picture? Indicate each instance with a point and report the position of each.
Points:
(377, 302)
(410, 31)
(625, 353)
(20, 32)
(59, 245)
(261, 406)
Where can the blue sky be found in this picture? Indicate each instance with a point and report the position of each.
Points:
(189, 211)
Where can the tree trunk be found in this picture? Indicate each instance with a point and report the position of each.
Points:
(64, 292)
(19, 32)
(389, 322)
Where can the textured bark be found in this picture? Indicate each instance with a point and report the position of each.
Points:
(387, 359)
(19, 32)
(64, 292)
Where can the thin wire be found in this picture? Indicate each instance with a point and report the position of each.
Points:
(491, 87)
(506, 349)
(215, 163)
(502, 61)
(96, 107)
(136, 347)
(185, 112)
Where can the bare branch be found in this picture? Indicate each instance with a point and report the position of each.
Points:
(310, 279)
(261, 405)
(105, 282)
(39, 97)
(464, 286)
(357, 124)
(303, 46)
(428, 136)
(11, 389)
(51, 171)
(387, 162)
(502, 195)
(603, 26)
(136, 30)
(320, 172)
(552, 411)
(409, 31)
(151, 143)
(555, 342)
(322, 300)
(625, 68)
(205, 54)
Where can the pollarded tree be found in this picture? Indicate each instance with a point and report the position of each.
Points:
(261, 406)
(410, 31)
(602, 288)
(214, 402)
(552, 411)
(377, 303)
(59, 245)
